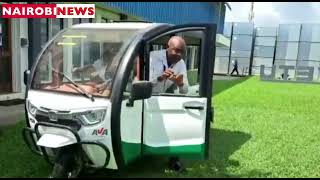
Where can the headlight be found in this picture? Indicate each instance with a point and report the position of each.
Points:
(90, 117)
(31, 108)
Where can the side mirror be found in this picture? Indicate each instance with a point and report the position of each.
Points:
(140, 90)
(26, 76)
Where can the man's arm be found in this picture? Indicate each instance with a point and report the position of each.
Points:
(184, 88)
(90, 68)
(183, 70)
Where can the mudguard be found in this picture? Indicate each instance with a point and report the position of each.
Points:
(55, 141)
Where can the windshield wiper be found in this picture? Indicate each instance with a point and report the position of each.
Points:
(84, 92)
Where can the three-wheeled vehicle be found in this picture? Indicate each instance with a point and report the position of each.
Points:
(89, 101)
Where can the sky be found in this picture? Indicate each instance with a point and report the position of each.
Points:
(270, 14)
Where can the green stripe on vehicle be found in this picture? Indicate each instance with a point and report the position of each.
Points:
(187, 151)
(131, 151)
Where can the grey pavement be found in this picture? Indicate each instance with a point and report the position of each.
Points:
(11, 114)
(222, 77)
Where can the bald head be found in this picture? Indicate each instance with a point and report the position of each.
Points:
(177, 41)
(176, 49)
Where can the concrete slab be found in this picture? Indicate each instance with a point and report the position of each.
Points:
(11, 114)
(220, 77)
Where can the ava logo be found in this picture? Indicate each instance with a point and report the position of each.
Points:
(100, 132)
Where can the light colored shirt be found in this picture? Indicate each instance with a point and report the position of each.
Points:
(158, 64)
(100, 67)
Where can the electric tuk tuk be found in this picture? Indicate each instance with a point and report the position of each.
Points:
(105, 115)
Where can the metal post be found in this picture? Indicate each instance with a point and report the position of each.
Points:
(275, 48)
(295, 74)
(252, 51)
(230, 48)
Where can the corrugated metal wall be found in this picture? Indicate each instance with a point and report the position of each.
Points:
(171, 12)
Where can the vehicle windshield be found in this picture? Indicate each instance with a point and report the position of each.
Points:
(82, 60)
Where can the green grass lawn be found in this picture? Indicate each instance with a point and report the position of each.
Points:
(261, 129)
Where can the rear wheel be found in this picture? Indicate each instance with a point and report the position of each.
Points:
(175, 164)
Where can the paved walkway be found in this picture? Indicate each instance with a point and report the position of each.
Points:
(11, 114)
(221, 77)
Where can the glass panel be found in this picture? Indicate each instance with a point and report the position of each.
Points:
(310, 33)
(191, 57)
(287, 50)
(237, 53)
(43, 31)
(263, 51)
(221, 65)
(309, 51)
(314, 53)
(256, 70)
(243, 28)
(97, 76)
(56, 26)
(266, 31)
(265, 41)
(222, 51)
(241, 42)
(227, 29)
(133, 77)
(257, 61)
(289, 32)
(76, 56)
(91, 52)
(304, 51)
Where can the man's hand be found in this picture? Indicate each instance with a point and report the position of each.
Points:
(166, 74)
(101, 87)
(76, 70)
(177, 79)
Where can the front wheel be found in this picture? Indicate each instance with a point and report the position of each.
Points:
(59, 171)
(68, 165)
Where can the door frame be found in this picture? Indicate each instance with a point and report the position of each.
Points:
(120, 81)
(126, 64)
(205, 84)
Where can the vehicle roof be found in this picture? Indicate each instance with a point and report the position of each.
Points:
(113, 25)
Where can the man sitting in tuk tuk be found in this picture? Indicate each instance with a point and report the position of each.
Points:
(98, 70)
(167, 68)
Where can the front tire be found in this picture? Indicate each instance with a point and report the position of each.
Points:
(60, 168)
(68, 165)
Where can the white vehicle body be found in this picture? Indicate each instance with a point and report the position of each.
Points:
(154, 125)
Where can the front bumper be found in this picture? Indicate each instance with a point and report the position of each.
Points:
(31, 135)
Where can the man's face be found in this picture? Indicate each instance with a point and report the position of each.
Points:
(108, 55)
(175, 52)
